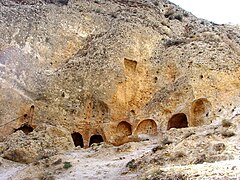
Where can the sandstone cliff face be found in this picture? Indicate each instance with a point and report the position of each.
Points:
(44, 142)
(114, 69)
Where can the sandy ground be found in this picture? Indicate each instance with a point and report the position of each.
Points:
(109, 162)
(222, 170)
(98, 162)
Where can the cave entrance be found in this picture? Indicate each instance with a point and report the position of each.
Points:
(178, 121)
(25, 128)
(95, 139)
(124, 128)
(147, 126)
(200, 112)
(77, 139)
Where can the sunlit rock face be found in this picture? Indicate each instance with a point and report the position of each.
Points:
(113, 70)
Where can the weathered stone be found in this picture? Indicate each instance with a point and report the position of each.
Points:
(140, 71)
(36, 145)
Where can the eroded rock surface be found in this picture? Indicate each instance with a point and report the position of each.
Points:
(39, 144)
(113, 70)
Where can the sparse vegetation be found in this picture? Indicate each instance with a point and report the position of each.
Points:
(67, 165)
(98, 11)
(131, 164)
(135, 84)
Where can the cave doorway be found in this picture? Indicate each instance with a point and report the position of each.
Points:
(200, 112)
(124, 128)
(178, 121)
(77, 139)
(95, 139)
(147, 126)
(25, 128)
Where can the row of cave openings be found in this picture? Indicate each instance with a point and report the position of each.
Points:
(199, 111)
(124, 129)
(78, 139)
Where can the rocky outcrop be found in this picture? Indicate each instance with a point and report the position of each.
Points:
(185, 153)
(36, 145)
(114, 69)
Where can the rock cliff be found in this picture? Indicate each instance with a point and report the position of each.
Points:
(113, 70)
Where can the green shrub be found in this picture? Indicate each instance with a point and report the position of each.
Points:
(67, 165)
(98, 11)
(131, 164)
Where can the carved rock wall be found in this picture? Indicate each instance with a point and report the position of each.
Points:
(114, 68)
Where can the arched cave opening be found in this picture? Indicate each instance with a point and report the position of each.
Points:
(25, 128)
(95, 139)
(178, 121)
(77, 139)
(124, 128)
(147, 126)
(200, 112)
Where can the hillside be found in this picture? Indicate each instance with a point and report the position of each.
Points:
(121, 73)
